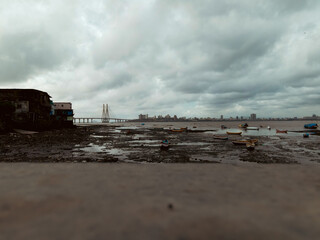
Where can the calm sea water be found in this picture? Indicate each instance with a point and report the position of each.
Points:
(232, 126)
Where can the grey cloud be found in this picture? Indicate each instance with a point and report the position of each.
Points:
(25, 54)
(169, 56)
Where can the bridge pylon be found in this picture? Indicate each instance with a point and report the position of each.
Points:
(105, 113)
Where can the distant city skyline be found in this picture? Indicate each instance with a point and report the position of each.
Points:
(252, 117)
(189, 58)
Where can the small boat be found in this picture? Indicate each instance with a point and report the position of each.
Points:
(234, 133)
(177, 130)
(269, 128)
(223, 127)
(244, 142)
(281, 131)
(250, 146)
(311, 126)
(164, 145)
(252, 128)
(220, 137)
(243, 125)
(306, 135)
(184, 129)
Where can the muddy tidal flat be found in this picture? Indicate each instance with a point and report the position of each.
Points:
(138, 143)
(114, 182)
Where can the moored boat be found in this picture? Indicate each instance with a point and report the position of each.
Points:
(243, 125)
(164, 145)
(177, 130)
(281, 131)
(306, 135)
(234, 133)
(220, 137)
(250, 146)
(311, 126)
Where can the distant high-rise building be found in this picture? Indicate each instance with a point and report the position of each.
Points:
(253, 116)
(143, 116)
(221, 117)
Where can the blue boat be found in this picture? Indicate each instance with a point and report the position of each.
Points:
(311, 126)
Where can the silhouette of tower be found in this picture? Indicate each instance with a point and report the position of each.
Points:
(105, 113)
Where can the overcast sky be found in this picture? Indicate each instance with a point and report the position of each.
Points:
(184, 57)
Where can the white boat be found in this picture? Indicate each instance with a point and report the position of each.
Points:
(252, 128)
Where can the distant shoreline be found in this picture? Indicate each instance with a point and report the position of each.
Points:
(225, 120)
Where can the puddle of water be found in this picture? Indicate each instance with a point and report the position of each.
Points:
(146, 141)
(93, 148)
(115, 151)
(193, 144)
(97, 136)
(127, 128)
(145, 145)
(199, 158)
(116, 131)
(138, 136)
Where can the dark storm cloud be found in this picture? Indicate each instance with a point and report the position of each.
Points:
(169, 56)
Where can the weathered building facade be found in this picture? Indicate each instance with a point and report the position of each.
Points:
(63, 112)
(32, 109)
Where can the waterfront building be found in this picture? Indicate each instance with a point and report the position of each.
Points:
(31, 107)
(63, 113)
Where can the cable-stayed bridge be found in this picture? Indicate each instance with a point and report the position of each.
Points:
(105, 117)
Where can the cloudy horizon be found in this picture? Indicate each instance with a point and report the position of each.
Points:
(157, 57)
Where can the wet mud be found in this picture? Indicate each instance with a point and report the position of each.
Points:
(141, 145)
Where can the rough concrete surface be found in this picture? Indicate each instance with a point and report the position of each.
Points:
(159, 201)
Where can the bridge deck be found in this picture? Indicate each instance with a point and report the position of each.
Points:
(90, 119)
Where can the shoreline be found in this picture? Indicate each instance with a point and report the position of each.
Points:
(101, 143)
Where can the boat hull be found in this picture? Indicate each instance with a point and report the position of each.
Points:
(281, 131)
(234, 133)
(311, 126)
(220, 137)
